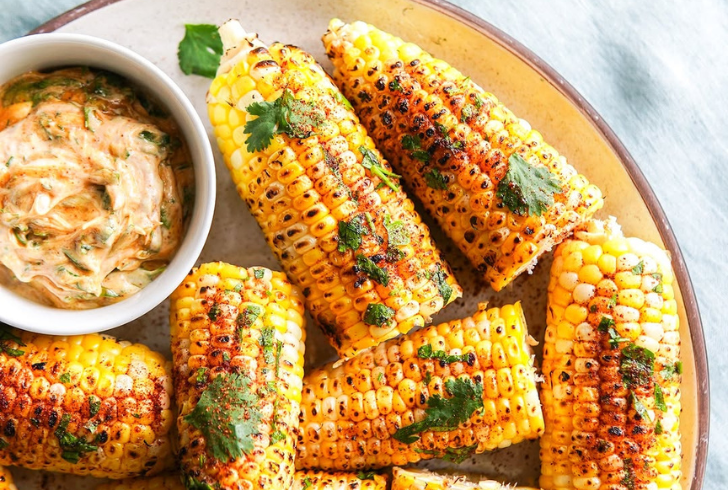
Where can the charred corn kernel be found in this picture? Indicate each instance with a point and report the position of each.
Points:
(229, 321)
(303, 480)
(453, 143)
(611, 391)
(6, 480)
(48, 403)
(328, 204)
(320, 480)
(370, 400)
(160, 482)
(422, 479)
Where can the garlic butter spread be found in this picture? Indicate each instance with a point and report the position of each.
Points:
(95, 188)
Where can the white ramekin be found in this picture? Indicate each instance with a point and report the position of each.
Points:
(45, 51)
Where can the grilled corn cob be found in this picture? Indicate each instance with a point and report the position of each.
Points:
(320, 480)
(326, 200)
(497, 189)
(420, 479)
(169, 481)
(611, 394)
(304, 480)
(238, 342)
(6, 480)
(445, 391)
(87, 405)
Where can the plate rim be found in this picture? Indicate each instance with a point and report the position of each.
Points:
(505, 41)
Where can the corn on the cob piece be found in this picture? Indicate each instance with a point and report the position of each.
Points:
(320, 480)
(6, 480)
(328, 204)
(499, 191)
(303, 480)
(87, 405)
(421, 479)
(238, 343)
(445, 391)
(169, 481)
(611, 394)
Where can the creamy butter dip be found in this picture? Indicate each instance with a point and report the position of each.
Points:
(95, 188)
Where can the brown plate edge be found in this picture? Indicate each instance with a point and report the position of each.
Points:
(638, 179)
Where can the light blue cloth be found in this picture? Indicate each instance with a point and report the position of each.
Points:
(657, 73)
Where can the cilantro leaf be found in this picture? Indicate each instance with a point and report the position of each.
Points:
(213, 312)
(452, 454)
(72, 447)
(371, 269)
(435, 180)
(228, 416)
(526, 189)
(200, 50)
(660, 399)
(372, 163)
(267, 340)
(637, 365)
(94, 405)
(369, 475)
(658, 427)
(396, 233)
(639, 268)
(286, 114)
(378, 314)
(411, 142)
(306, 483)
(350, 233)
(446, 414)
(440, 280)
(248, 316)
(426, 352)
(7, 336)
(343, 100)
(421, 155)
(639, 406)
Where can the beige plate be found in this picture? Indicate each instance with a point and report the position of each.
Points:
(494, 60)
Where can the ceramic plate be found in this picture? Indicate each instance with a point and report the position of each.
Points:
(495, 61)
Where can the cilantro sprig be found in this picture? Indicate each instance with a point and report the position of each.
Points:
(200, 50)
(350, 233)
(446, 414)
(228, 416)
(371, 269)
(372, 163)
(72, 447)
(378, 314)
(435, 180)
(526, 189)
(7, 337)
(440, 279)
(426, 352)
(452, 454)
(287, 114)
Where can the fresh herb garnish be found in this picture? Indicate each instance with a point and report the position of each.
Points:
(411, 142)
(658, 289)
(65, 378)
(427, 378)
(369, 475)
(213, 312)
(201, 375)
(658, 427)
(294, 117)
(228, 416)
(378, 314)
(446, 414)
(394, 85)
(639, 268)
(258, 273)
(612, 301)
(660, 399)
(628, 480)
(200, 50)
(396, 233)
(350, 233)
(637, 365)
(467, 112)
(371, 269)
(306, 483)
(248, 316)
(426, 352)
(440, 279)
(192, 483)
(451, 454)
(435, 180)
(94, 405)
(277, 436)
(267, 338)
(606, 325)
(164, 218)
(7, 336)
(73, 447)
(639, 407)
(526, 189)
(372, 163)
(342, 100)
(3, 444)
(381, 378)
(421, 155)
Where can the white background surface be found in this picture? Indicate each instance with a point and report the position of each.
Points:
(656, 72)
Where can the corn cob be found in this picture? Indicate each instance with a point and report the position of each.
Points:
(303, 480)
(611, 394)
(327, 203)
(498, 190)
(6, 480)
(87, 405)
(169, 481)
(320, 480)
(237, 342)
(445, 391)
(421, 479)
